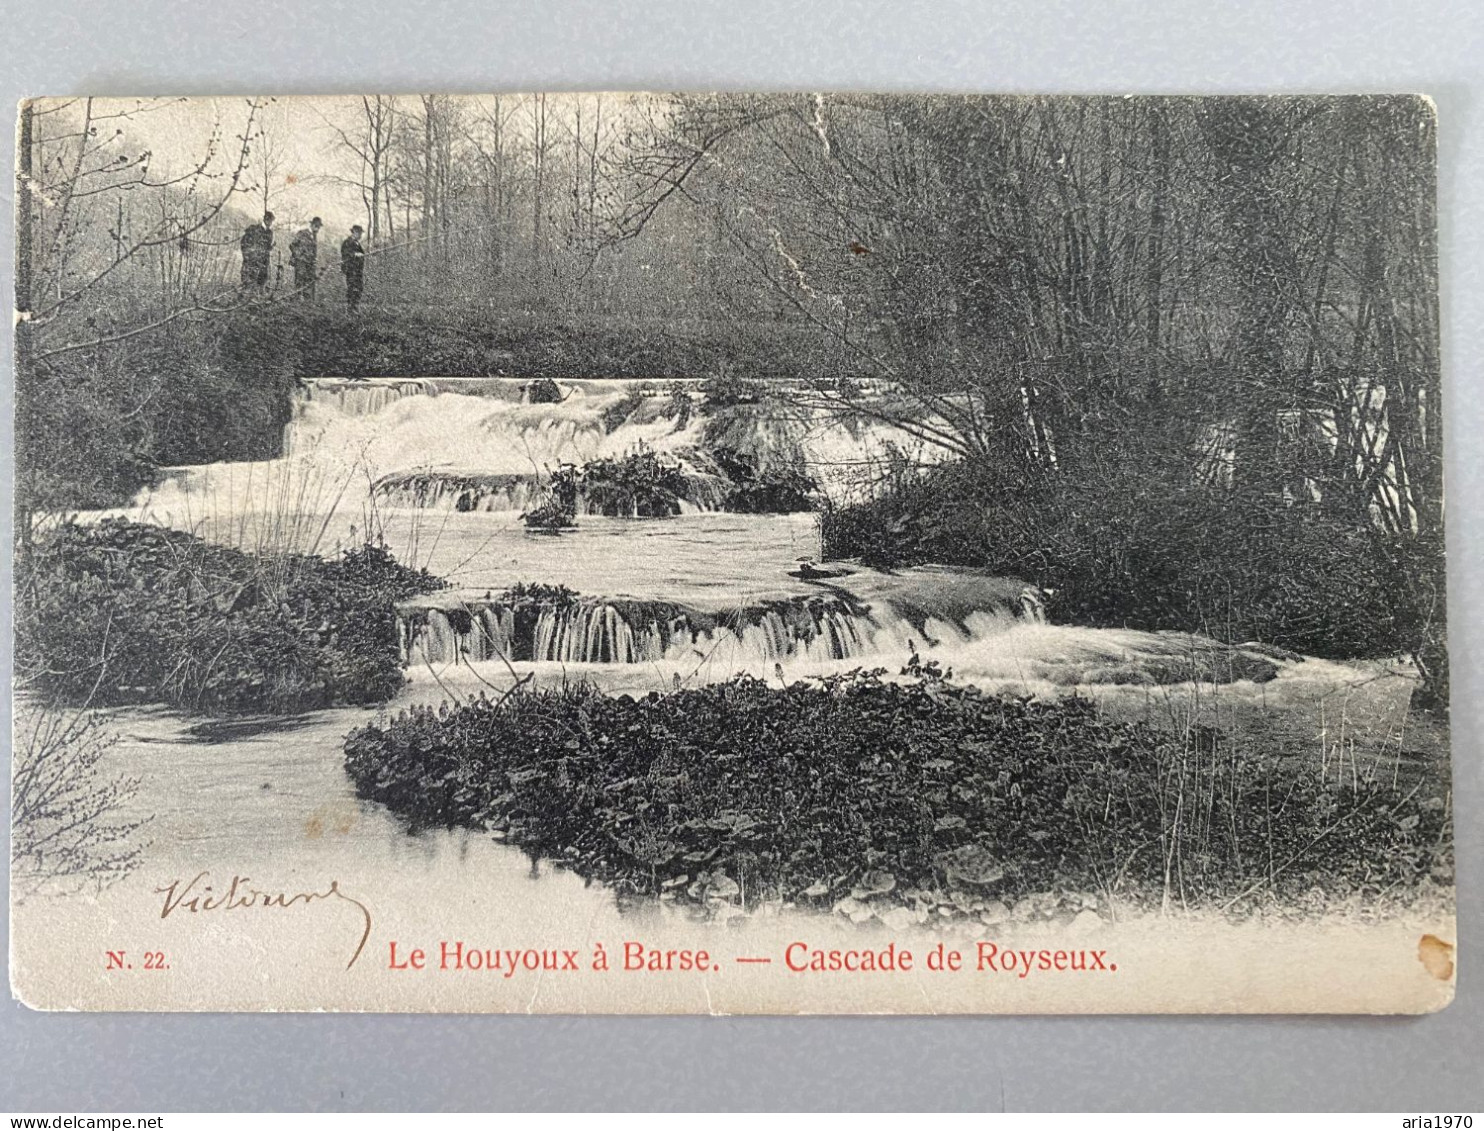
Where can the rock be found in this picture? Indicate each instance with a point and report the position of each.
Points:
(1271, 651)
(962, 901)
(719, 886)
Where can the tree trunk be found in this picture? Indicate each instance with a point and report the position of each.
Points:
(23, 249)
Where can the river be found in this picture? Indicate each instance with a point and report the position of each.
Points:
(268, 801)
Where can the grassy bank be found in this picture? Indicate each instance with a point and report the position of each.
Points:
(1153, 552)
(93, 426)
(900, 800)
(121, 612)
(396, 340)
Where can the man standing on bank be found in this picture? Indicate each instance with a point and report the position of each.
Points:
(257, 248)
(303, 255)
(353, 267)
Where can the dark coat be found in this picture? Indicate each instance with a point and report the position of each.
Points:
(352, 257)
(257, 245)
(303, 251)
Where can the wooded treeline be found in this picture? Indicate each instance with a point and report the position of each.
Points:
(1181, 352)
(1184, 350)
(513, 200)
(1250, 279)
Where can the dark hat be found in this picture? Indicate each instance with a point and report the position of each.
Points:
(267, 217)
(316, 223)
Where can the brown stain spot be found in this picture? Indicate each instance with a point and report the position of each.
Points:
(336, 817)
(859, 248)
(1436, 957)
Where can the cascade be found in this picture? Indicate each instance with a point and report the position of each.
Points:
(597, 630)
(455, 491)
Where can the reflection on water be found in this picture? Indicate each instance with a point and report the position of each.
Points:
(279, 804)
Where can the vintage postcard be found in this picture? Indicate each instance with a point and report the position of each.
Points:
(681, 553)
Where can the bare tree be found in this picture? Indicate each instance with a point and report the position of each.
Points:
(69, 824)
(369, 144)
(79, 178)
(269, 152)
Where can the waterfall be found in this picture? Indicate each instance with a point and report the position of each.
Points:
(596, 630)
(366, 398)
(480, 433)
(455, 491)
(462, 493)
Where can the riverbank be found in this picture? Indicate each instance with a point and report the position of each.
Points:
(269, 799)
(910, 801)
(122, 612)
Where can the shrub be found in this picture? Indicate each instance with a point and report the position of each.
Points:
(860, 787)
(122, 612)
(779, 488)
(69, 822)
(727, 390)
(549, 516)
(680, 405)
(637, 485)
(559, 511)
(1152, 554)
(92, 426)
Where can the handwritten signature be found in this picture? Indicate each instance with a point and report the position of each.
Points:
(197, 896)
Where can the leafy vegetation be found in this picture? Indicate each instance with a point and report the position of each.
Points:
(1157, 553)
(868, 795)
(637, 485)
(615, 415)
(559, 511)
(93, 426)
(776, 488)
(120, 612)
(680, 405)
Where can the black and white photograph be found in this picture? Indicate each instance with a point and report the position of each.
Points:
(730, 553)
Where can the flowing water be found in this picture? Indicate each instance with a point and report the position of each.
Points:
(440, 471)
(696, 597)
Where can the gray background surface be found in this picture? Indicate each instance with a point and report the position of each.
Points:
(62, 1062)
